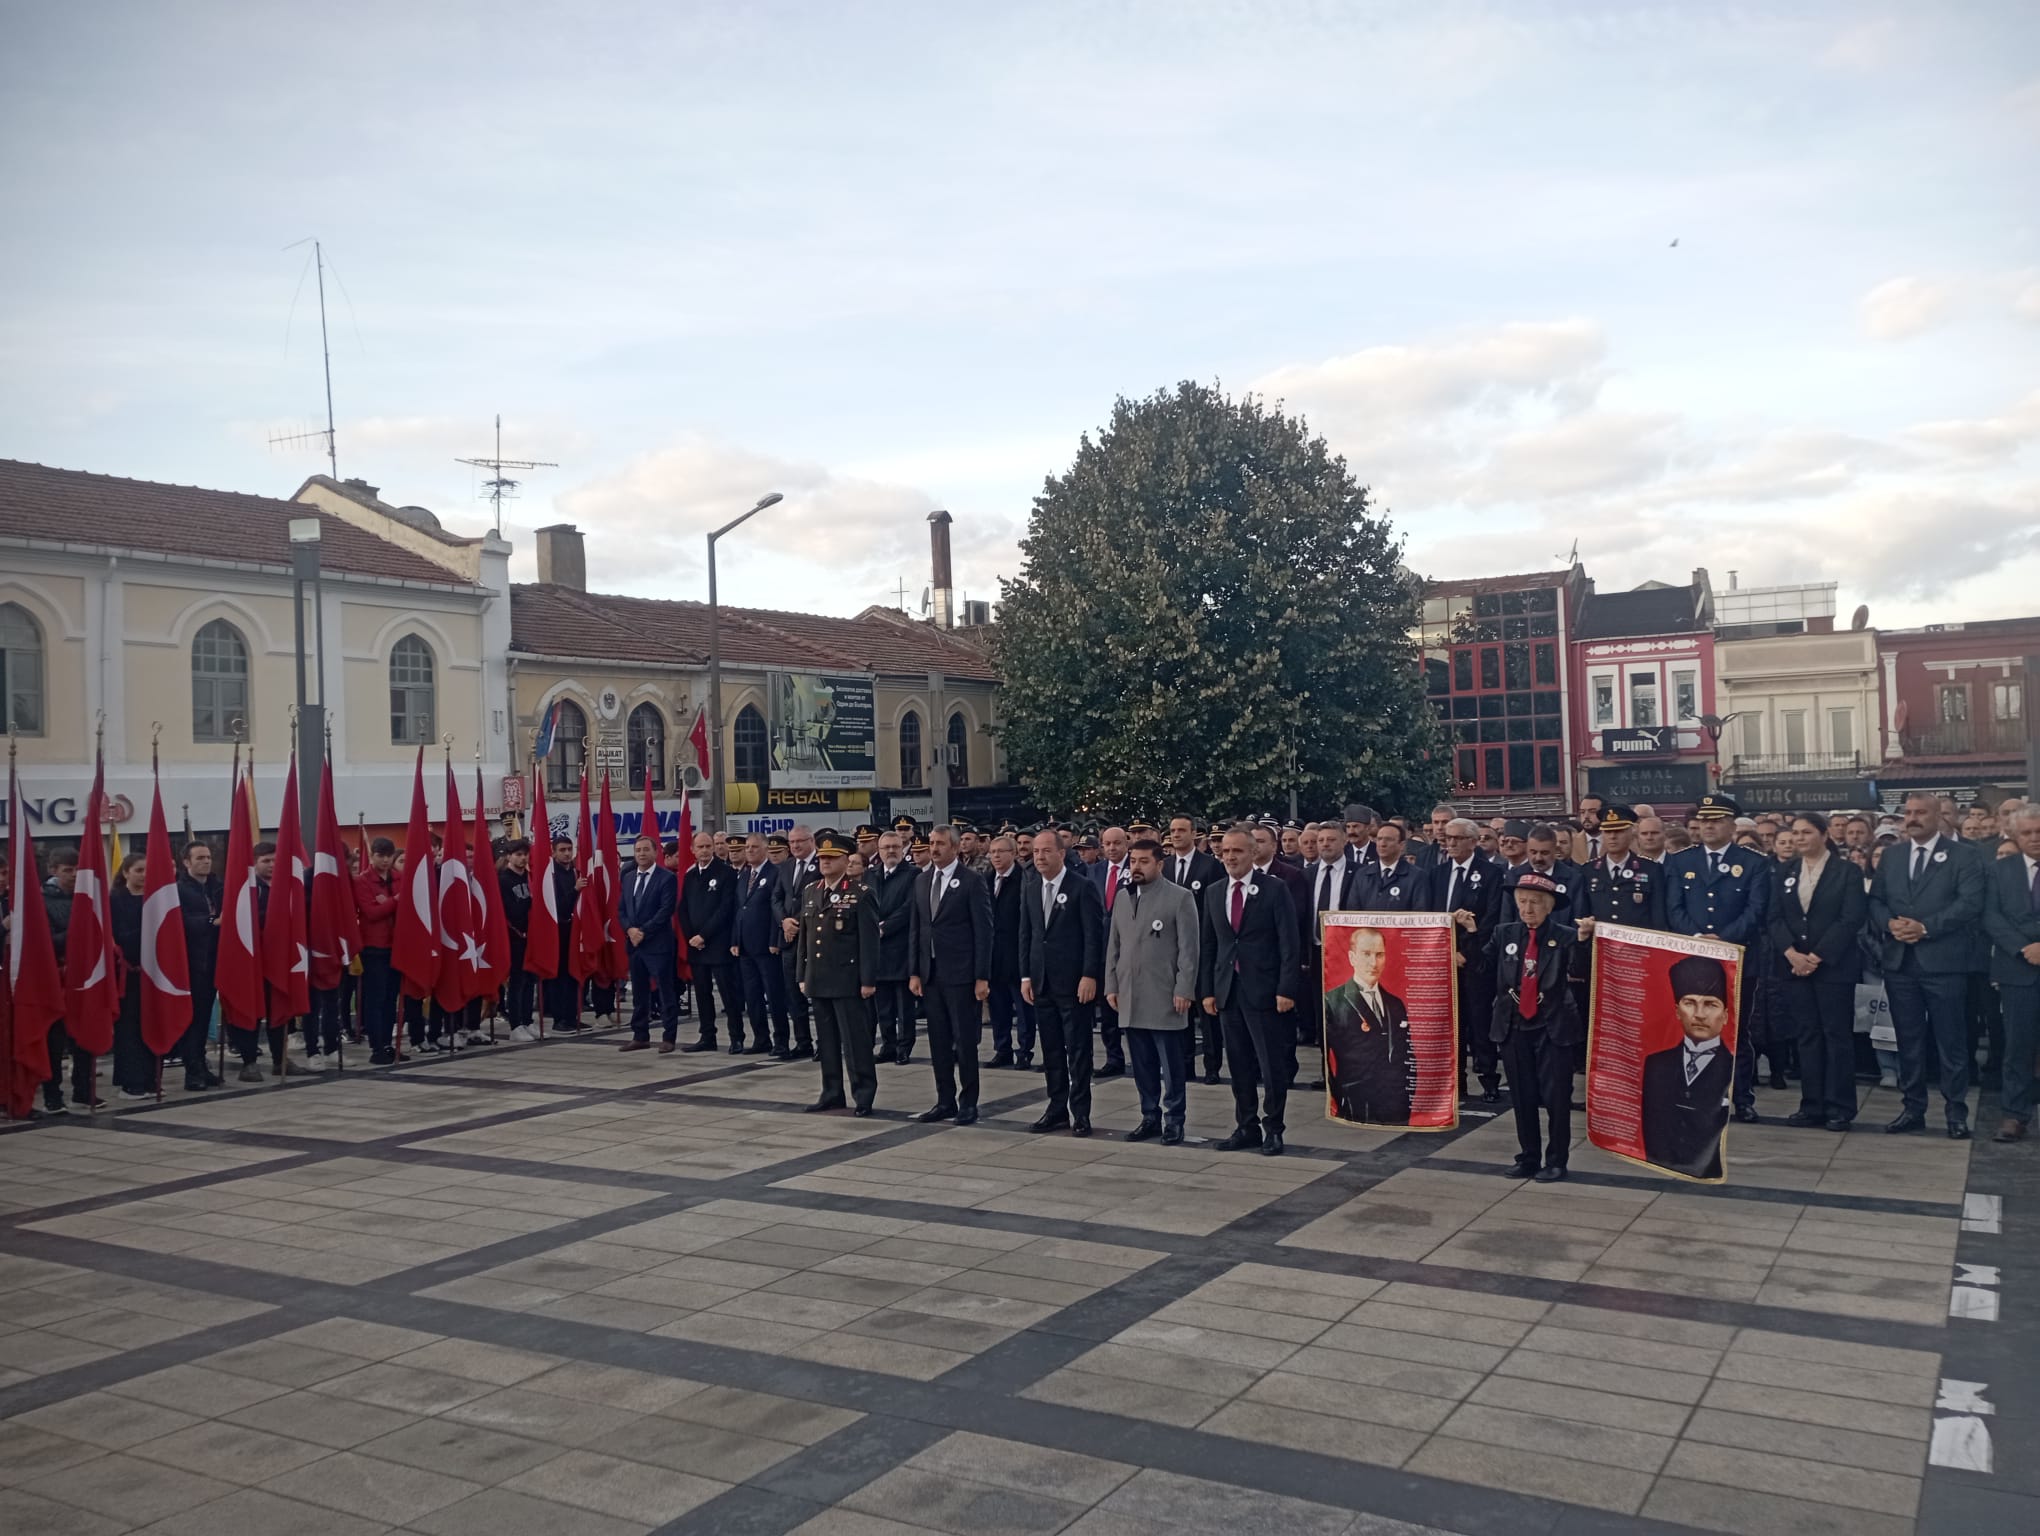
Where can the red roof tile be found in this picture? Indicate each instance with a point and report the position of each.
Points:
(75, 507)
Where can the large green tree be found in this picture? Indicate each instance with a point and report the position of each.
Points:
(1209, 611)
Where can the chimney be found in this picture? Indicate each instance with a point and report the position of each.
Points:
(944, 583)
(356, 483)
(563, 556)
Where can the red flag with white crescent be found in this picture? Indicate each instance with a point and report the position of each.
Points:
(462, 966)
(492, 924)
(414, 949)
(335, 924)
(683, 862)
(286, 946)
(542, 934)
(166, 969)
(92, 961)
(615, 952)
(237, 972)
(35, 988)
(698, 739)
(584, 957)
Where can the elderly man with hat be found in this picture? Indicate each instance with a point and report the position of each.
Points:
(1723, 891)
(1536, 1023)
(837, 963)
(1685, 1086)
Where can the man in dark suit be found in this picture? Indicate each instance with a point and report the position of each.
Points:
(1248, 975)
(1392, 883)
(1817, 915)
(645, 909)
(891, 878)
(796, 872)
(1465, 882)
(1544, 853)
(757, 945)
(1187, 865)
(1062, 961)
(708, 916)
(1926, 902)
(952, 971)
(1110, 876)
(1012, 1014)
(2011, 916)
(1372, 1071)
(1724, 892)
(1361, 822)
(1327, 882)
(1536, 1023)
(1686, 1086)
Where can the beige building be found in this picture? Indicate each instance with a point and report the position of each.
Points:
(168, 610)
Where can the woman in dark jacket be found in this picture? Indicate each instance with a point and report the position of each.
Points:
(1817, 914)
(134, 1069)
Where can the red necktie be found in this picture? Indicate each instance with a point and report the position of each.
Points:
(1526, 990)
(1239, 905)
(1111, 886)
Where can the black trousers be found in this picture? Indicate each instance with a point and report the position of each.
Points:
(562, 999)
(1744, 1091)
(59, 1041)
(133, 1067)
(518, 988)
(796, 1000)
(893, 1005)
(1211, 1031)
(422, 1020)
(1063, 1026)
(709, 980)
(322, 1024)
(378, 998)
(1540, 1077)
(764, 998)
(843, 1040)
(654, 983)
(1476, 1003)
(953, 1040)
(1823, 1015)
(1929, 1011)
(191, 1048)
(1260, 1044)
(1108, 1034)
(1013, 1026)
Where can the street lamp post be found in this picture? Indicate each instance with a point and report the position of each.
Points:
(716, 802)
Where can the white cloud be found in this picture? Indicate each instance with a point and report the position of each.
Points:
(1866, 46)
(1988, 438)
(2027, 304)
(1905, 306)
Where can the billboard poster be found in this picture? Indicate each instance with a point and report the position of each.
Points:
(824, 731)
(1391, 1020)
(1661, 1049)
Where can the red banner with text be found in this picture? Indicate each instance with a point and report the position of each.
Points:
(1391, 1020)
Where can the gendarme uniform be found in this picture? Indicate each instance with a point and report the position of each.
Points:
(838, 961)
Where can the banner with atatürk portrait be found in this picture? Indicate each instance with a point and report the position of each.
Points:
(1391, 1020)
(1661, 1049)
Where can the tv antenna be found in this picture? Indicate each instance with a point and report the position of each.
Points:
(1572, 557)
(497, 487)
(325, 347)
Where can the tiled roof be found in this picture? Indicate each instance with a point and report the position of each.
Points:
(75, 507)
(1645, 611)
(547, 620)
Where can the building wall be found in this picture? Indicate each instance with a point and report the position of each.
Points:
(1495, 659)
(1962, 690)
(1637, 682)
(1818, 677)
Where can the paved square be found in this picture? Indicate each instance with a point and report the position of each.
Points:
(67, 1162)
(355, 1108)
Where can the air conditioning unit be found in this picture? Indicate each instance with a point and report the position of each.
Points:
(688, 777)
(977, 613)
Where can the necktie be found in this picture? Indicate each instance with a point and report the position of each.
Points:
(1239, 904)
(1713, 863)
(2033, 896)
(1047, 900)
(1182, 870)
(1692, 1068)
(1324, 887)
(1452, 891)
(1919, 860)
(1111, 886)
(936, 883)
(1526, 990)
(1136, 901)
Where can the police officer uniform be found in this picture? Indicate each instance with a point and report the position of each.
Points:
(838, 961)
(1725, 894)
(1613, 889)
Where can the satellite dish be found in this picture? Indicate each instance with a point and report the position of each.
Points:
(1861, 619)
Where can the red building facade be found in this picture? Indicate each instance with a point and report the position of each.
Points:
(1643, 670)
(1955, 707)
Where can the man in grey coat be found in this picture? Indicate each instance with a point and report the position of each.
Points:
(1151, 978)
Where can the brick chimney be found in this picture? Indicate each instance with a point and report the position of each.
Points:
(943, 588)
(563, 556)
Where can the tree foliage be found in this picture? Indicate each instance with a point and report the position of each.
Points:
(1208, 612)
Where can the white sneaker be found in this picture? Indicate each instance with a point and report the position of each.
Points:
(128, 1096)
(524, 1032)
(318, 1061)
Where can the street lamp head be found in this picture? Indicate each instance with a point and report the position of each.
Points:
(771, 500)
(304, 530)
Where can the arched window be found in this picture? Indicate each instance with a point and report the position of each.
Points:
(910, 750)
(414, 715)
(959, 751)
(570, 734)
(751, 749)
(647, 747)
(219, 682)
(21, 671)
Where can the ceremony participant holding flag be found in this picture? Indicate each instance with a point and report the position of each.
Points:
(542, 952)
(334, 926)
(91, 963)
(415, 942)
(463, 968)
(165, 969)
(237, 964)
(286, 946)
(35, 988)
(492, 928)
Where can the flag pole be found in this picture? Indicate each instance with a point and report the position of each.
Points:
(14, 842)
(346, 875)
(240, 729)
(538, 1001)
(91, 1061)
(156, 770)
(475, 854)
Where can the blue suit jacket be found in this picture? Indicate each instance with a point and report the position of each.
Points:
(1733, 905)
(652, 912)
(757, 928)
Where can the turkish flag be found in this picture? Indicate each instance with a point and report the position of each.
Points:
(683, 861)
(35, 988)
(92, 961)
(237, 972)
(698, 739)
(335, 926)
(166, 969)
(463, 969)
(584, 957)
(286, 946)
(492, 925)
(542, 936)
(609, 869)
(414, 950)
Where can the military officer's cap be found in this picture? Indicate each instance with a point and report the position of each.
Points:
(1139, 825)
(777, 840)
(1616, 817)
(1292, 826)
(1712, 806)
(1524, 878)
(1699, 976)
(1516, 829)
(1360, 813)
(830, 843)
(905, 824)
(1089, 840)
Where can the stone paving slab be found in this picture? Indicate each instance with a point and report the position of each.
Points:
(359, 1107)
(80, 1161)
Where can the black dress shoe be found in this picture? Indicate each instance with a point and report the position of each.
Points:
(1747, 1115)
(1211, 1079)
(821, 1105)
(781, 1053)
(1521, 1170)
(1241, 1140)
(1549, 1175)
(1080, 1126)
(1778, 1080)
(1147, 1130)
(1801, 1119)
(935, 1112)
(1835, 1125)
(1051, 1120)
(967, 1115)
(1271, 1144)
(1958, 1130)
(755, 1048)
(862, 1111)
(698, 1045)
(1024, 1062)
(1906, 1123)
(635, 1045)
(1001, 1059)
(1491, 1096)
(1111, 1069)
(1172, 1135)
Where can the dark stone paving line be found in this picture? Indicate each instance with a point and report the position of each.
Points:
(794, 1491)
(90, 1203)
(190, 1349)
(1875, 1204)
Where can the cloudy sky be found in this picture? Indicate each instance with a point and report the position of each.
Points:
(887, 257)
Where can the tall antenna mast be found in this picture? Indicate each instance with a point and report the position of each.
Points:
(326, 351)
(498, 488)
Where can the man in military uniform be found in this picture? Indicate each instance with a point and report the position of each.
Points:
(1616, 887)
(838, 959)
(1724, 892)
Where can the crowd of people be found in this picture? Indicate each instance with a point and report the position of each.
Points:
(1193, 949)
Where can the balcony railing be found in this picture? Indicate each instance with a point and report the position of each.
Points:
(1954, 738)
(1824, 764)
